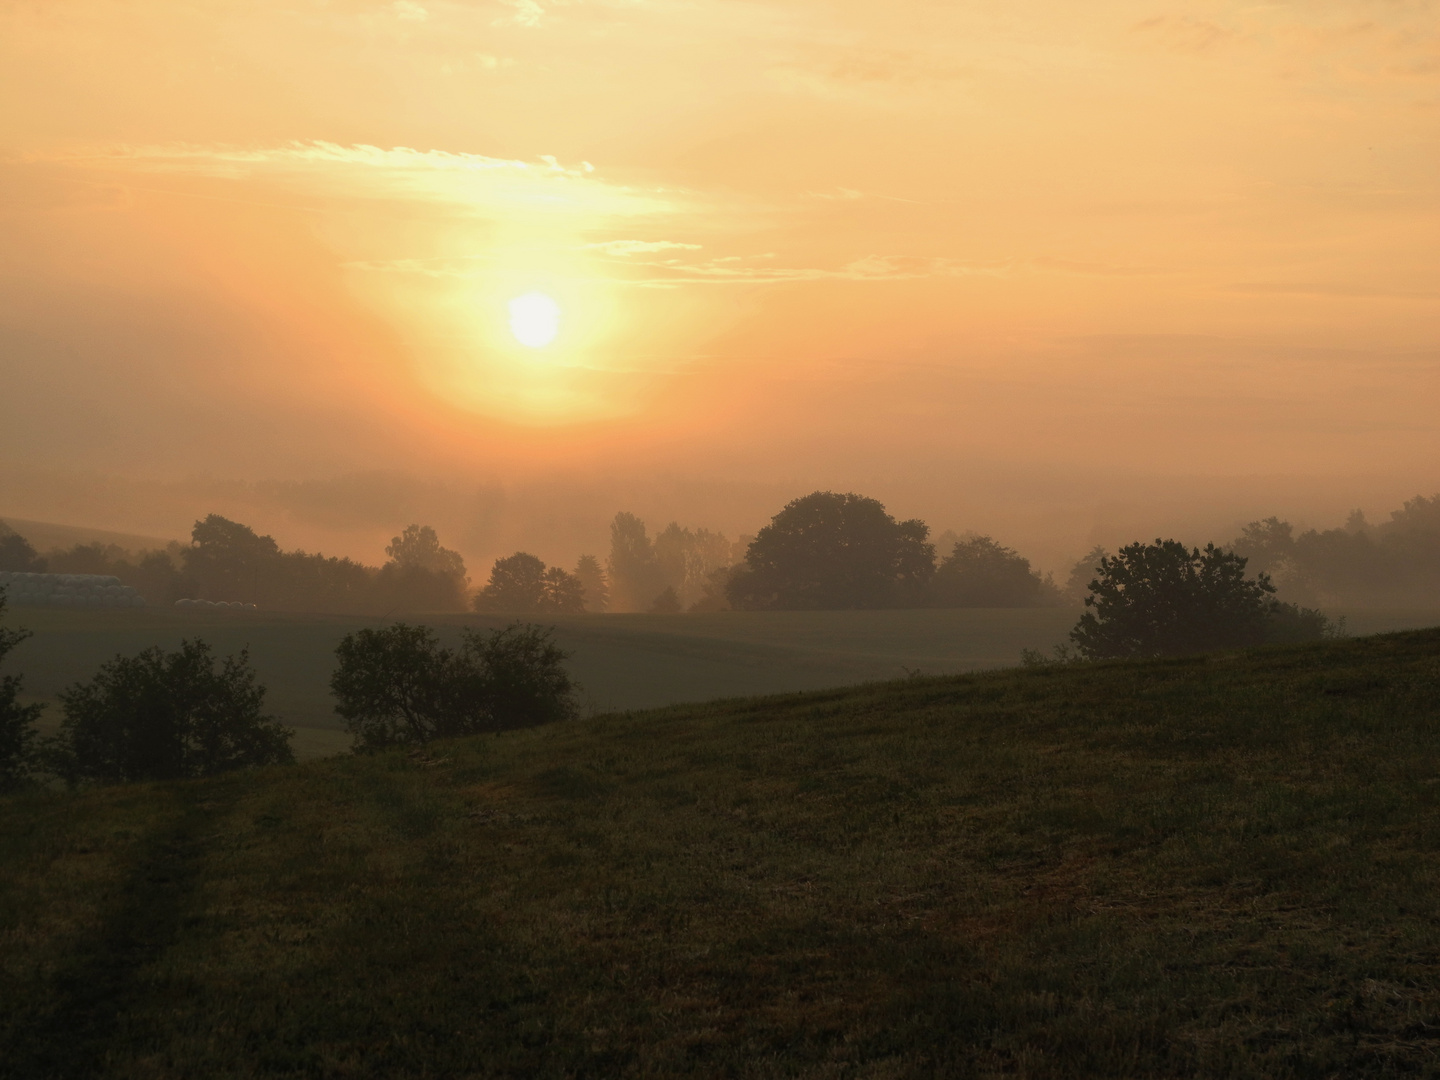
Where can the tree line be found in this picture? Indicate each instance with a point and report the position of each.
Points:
(226, 560)
(823, 551)
(826, 550)
(1395, 562)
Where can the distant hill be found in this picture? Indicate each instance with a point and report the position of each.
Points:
(47, 536)
(1216, 866)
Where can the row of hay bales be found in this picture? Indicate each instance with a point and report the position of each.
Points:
(213, 605)
(68, 590)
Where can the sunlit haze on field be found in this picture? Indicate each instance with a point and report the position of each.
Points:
(1057, 272)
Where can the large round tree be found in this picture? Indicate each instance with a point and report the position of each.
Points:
(1164, 599)
(830, 550)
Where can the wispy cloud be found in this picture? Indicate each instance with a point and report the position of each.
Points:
(725, 270)
(639, 247)
(523, 13)
(460, 181)
(845, 194)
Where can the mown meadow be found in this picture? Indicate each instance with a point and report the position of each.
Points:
(1216, 866)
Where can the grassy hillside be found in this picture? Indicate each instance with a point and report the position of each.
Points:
(621, 661)
(1223, 866)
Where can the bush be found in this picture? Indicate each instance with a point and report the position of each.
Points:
(1164, 599)
(398, 686)
(521, 674)
(17, 722)
(1290, 623)
(167, 716)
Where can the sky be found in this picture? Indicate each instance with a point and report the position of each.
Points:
(1061, 273)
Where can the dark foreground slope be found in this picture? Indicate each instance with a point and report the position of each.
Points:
(1216, 867)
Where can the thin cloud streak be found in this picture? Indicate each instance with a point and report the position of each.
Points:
(446, 178)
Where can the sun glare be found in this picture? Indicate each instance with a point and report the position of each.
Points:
(534, 319)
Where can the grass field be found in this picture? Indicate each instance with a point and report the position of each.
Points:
(1222, 866)
(621, 661)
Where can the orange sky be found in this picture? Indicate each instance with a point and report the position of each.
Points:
(1001, 264)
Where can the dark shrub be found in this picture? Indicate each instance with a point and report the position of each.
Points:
(17, 722)
(165, 716)
(1164, 599)
(399, 686)
(520, 675)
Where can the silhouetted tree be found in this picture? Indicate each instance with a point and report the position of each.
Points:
(17, 555)
(829, 550)
(1418, 515)
(667, 603)
(230, 561)
(419, 547)
(153, 574)
(632, 571)
(17, 722)
(592, 580)
(562, 594)
(517, 584)
(420, 575)
(712, 593)
(521, 583)
(157, 577)
(88, 559)
(1082, 573)
(1164, 599)
(399, 686)
(1266, 545)
(981, 573)
(685, 558)
(1396, 562)
(396, 685)
(165, 716)
(521, 674)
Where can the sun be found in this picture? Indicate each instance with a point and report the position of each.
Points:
(534, 319)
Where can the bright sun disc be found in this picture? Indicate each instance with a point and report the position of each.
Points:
(534, 319)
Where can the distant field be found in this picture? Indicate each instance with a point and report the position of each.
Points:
(621, 661)
(1220, 866)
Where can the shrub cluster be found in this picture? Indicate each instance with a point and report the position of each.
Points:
(173, 715)
(1164, 599)
(398, 686)
(167, 716)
